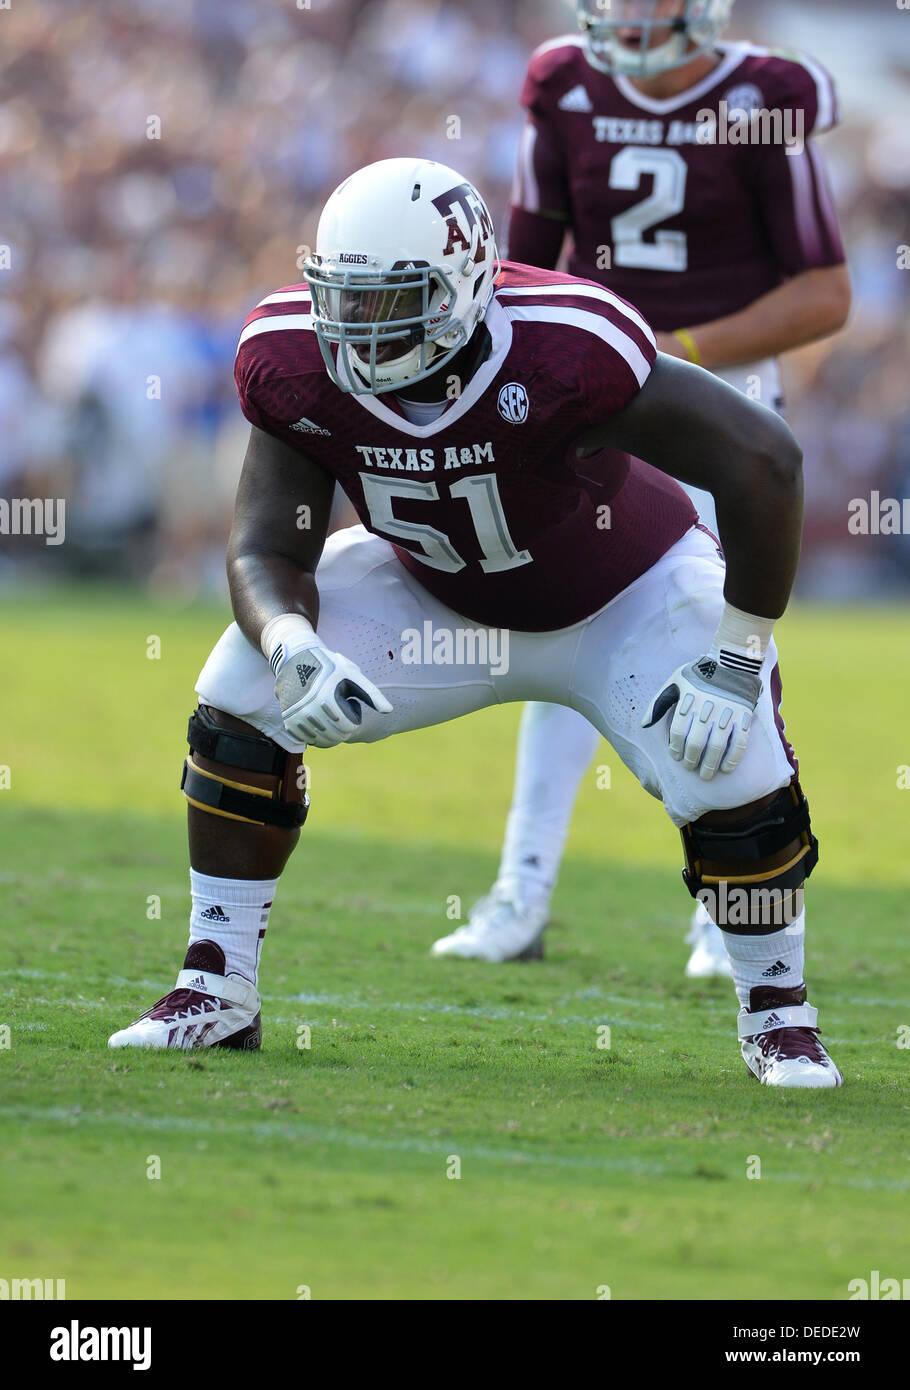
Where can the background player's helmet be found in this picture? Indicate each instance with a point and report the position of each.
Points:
(402, 273)
(698, 22)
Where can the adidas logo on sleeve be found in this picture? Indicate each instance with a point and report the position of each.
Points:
(576, 100)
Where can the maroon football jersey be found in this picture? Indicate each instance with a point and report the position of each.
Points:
(686, 231)
(488, 505)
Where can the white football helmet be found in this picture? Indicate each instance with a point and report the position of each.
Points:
(402, 274)
(696, 22)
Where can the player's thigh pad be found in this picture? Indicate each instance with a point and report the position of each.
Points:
(374, 612)
(630, 649)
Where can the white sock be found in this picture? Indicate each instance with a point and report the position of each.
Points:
(234, 913)
(555, 748)
(757, 960)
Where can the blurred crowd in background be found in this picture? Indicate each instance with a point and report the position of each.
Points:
(162, 162)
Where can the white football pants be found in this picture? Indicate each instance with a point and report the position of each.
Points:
(433, 665)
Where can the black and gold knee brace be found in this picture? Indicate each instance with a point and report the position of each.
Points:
(753, 840)
(247, 752)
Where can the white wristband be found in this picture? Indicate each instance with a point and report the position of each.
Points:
(742, 638)
(284, 631)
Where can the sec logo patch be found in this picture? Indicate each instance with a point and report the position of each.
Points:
(513, 403)
(746, 98)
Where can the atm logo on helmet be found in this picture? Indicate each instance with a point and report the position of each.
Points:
(474, 214)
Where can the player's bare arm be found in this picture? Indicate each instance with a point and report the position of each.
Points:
(812, 305)
(281, 518)
(701, 431)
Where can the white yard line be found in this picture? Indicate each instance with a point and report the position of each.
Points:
(73, 1116)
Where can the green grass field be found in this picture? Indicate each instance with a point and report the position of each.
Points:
(327, 1167)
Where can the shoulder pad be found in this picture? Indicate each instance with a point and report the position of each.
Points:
(789, 79)
(551, 66)
(277, 342)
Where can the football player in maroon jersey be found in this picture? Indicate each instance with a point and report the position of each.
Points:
(486, 420)
(729, 248)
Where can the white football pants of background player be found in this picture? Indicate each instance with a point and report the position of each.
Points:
(556, 746)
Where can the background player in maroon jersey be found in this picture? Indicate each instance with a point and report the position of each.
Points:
(480, 539)
(731, 251)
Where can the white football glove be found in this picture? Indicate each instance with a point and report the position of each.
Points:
(321, 691)
(712, 713)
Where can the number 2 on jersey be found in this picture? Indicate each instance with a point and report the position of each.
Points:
(668, 250)
(481, 492)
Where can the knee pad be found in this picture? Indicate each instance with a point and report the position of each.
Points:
(247, 752)
(753, 840)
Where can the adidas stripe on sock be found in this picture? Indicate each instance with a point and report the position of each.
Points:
(234, 912)
(775, 959)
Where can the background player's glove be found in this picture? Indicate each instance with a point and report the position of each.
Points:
(320, 691)
(712, 713)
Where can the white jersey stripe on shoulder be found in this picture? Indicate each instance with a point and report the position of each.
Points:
(807, 229)
(274, 324)
(285, 297)
(823, 190)
(590, 323)
(827, 101)
(750, 50)
(563, 41)
(827, 114)
(526, 193)
(586, 292)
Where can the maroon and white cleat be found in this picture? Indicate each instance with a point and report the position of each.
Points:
(780, 1040)
(206, 1008)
